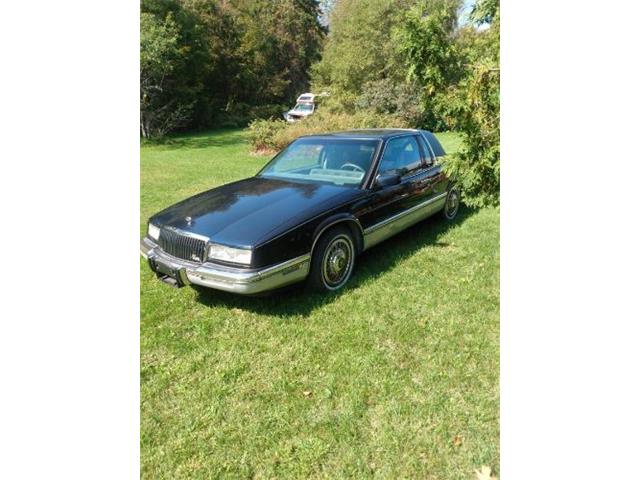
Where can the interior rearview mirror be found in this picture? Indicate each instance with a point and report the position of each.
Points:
(387, 179)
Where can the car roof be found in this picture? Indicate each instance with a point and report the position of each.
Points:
(375, 133)
(383, 134)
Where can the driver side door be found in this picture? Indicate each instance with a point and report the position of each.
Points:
(387, 206)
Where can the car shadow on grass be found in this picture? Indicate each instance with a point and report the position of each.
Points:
(297, 300)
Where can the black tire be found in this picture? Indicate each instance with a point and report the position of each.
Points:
(451, 204)
(333, 260)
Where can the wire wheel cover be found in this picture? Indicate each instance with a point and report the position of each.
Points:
(453, 202)
(337, 261)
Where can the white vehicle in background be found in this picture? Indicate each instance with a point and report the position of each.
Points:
(306, 98)
(305, 106)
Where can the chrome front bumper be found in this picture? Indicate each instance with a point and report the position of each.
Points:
(229, 279)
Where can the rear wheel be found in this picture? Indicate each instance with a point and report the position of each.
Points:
(451, 204)
(333, 260)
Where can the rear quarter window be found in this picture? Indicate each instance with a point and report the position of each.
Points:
(438, 151)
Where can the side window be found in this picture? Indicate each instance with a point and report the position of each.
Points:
(402, 156)
(428, 159)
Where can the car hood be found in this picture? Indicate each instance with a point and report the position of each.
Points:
(251, 211)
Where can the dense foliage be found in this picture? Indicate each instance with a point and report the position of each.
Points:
(382, 54)
(425, 38)
(161, 109)
(399, 99)
(359, 47)
(476, 113)
(208, 63)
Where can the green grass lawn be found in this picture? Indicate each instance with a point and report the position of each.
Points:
(397, 376)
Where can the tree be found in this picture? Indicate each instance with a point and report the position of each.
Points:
(159, 59)
(359, 47)
(213, 39)
(477, 112)
(388, 97)
(280, 41)
(425, 39)
(458, 69)
(209, 62)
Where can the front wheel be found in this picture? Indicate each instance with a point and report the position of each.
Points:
(451, 204)
(333, 260)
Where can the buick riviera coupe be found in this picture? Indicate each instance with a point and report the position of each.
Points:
(306, 215)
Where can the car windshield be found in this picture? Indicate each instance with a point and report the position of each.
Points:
(323, 160)
(303, 107)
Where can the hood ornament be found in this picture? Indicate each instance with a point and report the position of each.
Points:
(188, 220)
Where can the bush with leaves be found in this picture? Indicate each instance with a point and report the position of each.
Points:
(262, 134)
(477, 165)
(476, 109)
(274, 135)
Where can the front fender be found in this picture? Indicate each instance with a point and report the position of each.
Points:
(349, 220)
(302, 239)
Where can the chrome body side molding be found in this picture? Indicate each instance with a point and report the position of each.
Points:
(395, 224)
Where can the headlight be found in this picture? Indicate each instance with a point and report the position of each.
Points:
(154, 232)
(228, 254)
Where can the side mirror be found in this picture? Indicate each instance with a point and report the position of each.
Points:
(387, 179)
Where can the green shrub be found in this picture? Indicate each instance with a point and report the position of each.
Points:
(262, 133)
(477, 116)
(338, 101)
(477, 165)
(274, 135)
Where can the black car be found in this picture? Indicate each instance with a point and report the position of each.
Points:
(306, 215)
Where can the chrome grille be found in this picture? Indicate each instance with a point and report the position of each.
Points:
(183, 246)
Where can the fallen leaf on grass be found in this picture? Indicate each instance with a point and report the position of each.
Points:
(457, 440)
(484, 473)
